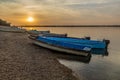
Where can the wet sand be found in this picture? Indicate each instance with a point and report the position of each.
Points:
(21, 60)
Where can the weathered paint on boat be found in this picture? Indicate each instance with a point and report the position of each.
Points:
(94, 46)
(60, 48)
(76, 44)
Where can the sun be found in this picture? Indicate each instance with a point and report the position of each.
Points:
(30, 19)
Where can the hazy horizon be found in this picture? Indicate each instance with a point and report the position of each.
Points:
(61, 12)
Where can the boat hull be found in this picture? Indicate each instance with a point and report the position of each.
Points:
(77, 46)
(94, 46)
(60, 49)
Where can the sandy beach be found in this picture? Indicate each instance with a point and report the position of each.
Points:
(21, 60)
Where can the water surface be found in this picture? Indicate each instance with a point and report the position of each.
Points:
(99, 67)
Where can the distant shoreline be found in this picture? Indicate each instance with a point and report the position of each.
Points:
(69, 26)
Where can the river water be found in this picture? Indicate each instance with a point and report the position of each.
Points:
(99, 67)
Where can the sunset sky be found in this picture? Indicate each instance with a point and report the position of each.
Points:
(61, 12)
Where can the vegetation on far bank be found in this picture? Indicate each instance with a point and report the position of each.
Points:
(4, 23)
(69, 25)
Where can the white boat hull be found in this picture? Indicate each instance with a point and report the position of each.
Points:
(61, 49)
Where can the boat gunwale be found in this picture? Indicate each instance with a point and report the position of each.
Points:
(76, 42)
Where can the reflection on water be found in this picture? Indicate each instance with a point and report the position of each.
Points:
(99, 67)
(71, 57)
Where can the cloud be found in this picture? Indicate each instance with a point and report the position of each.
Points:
(92, 4)
(62, 11)
(8, 1)
(97, 9)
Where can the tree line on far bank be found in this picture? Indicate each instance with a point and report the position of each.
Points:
(4, 23)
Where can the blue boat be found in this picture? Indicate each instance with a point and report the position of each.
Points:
(78, 46)
(97, 47)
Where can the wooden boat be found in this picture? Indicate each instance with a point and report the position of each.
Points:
(49, 34)
(59, 46)
(35, 32)
(97, 47)
(45, 33)
(78, 46)
(53, 35)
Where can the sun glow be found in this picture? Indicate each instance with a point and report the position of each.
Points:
(30, 19)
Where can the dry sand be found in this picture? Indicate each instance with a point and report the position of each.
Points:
(21, 60)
